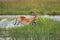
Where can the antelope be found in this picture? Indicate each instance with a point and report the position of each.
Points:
(24, 20)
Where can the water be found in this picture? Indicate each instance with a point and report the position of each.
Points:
(5, 23)
(56, 17)
(11, 24)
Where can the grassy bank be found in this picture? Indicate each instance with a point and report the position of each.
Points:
(45, 29)
(50, 8)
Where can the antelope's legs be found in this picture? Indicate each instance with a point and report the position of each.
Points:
(15, 22)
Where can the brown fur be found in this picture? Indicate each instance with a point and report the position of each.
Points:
(25, 20)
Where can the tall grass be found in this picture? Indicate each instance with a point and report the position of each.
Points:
(27, 7)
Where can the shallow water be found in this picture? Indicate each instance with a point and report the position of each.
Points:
(5, 23)
(56, 17)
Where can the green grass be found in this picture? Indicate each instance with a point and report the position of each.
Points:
(50, 8)
(45, 29)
